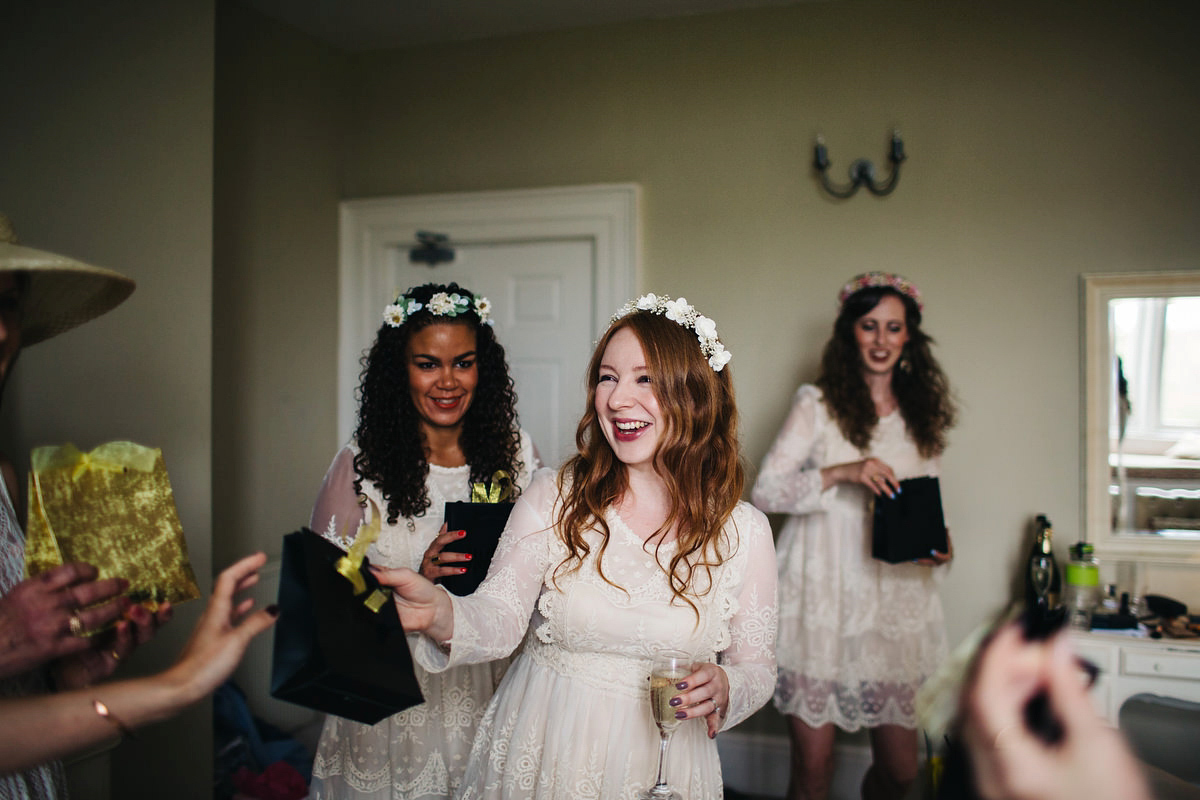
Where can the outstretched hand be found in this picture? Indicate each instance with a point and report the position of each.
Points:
(224, 631)
(421, 606)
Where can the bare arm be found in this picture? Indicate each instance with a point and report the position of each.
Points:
(37, 729)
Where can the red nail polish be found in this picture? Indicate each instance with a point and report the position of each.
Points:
(467, 556)
(462, 571)
(461, 534)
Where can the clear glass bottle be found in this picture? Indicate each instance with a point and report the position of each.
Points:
(1083, 586)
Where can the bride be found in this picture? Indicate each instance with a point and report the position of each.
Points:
(639, 543)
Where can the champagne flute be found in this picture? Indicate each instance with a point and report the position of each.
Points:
(668, 668)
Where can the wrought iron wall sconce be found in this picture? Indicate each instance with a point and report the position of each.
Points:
(862, 171)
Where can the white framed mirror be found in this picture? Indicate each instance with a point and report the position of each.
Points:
(1142, 414)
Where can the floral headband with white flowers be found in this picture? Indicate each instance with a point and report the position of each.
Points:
(440, 305)
(870, 280)
(686, 316)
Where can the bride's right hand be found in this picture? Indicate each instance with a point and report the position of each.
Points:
(422, 607)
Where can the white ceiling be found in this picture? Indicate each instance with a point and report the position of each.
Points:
(361, 25)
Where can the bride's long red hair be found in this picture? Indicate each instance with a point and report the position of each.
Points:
(698, 457)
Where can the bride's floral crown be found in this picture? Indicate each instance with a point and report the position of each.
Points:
(680, 312)
(889, 280)
(441, 304)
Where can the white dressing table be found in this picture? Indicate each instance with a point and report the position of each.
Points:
(1130, 666)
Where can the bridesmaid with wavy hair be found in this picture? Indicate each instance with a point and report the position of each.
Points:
(857, 636)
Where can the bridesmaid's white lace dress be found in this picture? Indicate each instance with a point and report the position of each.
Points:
(857, 636)
(420, 753)
(571, 720)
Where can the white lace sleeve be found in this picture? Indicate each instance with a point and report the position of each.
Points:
(749, 661)
(336, 515)
(490, 623)
(789, 481)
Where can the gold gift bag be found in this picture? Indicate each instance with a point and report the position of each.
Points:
(114, 509)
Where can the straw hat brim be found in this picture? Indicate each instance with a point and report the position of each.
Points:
(62, 292)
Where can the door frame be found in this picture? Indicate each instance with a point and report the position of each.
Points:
(372, 229)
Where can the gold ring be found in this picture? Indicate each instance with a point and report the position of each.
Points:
(115, 656)
(75, 625)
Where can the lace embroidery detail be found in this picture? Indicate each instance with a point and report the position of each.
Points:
(853, 632)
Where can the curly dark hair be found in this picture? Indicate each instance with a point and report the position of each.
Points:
(392, 449)
(922, 390)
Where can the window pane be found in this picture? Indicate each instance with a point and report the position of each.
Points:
(1180, 399)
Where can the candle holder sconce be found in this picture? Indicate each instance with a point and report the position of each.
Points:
(862, 171)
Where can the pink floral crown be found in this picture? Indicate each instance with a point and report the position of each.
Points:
(889, 280)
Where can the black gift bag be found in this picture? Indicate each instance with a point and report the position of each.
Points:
(911, 524)
(483, 522)
(332, 652)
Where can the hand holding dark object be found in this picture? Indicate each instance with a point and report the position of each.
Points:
(1028, 726)
(45, 618)
(872, 473)
(439, 562)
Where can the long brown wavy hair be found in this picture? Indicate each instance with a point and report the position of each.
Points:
(698, 456)
(921, 388)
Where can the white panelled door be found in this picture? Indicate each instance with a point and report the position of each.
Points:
(555, 263)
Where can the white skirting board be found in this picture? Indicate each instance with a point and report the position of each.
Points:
(757, 764)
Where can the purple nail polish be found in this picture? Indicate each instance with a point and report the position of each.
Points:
(680, 715)
(681, 685)
(675, 701)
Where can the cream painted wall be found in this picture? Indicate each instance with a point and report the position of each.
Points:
(1044, 140)
(106, 154)
(279, 112)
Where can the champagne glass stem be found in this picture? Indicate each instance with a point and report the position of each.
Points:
(663, 740)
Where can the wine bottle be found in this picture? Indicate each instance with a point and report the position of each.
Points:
(1043, 580)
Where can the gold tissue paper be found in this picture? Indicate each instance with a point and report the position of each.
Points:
(113, 508)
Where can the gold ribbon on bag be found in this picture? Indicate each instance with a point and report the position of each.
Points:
(349, 566)
(500, 490)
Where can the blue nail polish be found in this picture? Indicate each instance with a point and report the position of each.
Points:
(932, 552)
(899, 489)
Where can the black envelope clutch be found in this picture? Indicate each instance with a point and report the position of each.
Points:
(333, 652)
(911, 524)
(483, 522)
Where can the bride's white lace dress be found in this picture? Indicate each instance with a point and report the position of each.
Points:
(571, 719)
(857, 636)
(420, 753)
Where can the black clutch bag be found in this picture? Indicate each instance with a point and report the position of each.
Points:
(483, 522)
(911, 524)
(339, 645)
